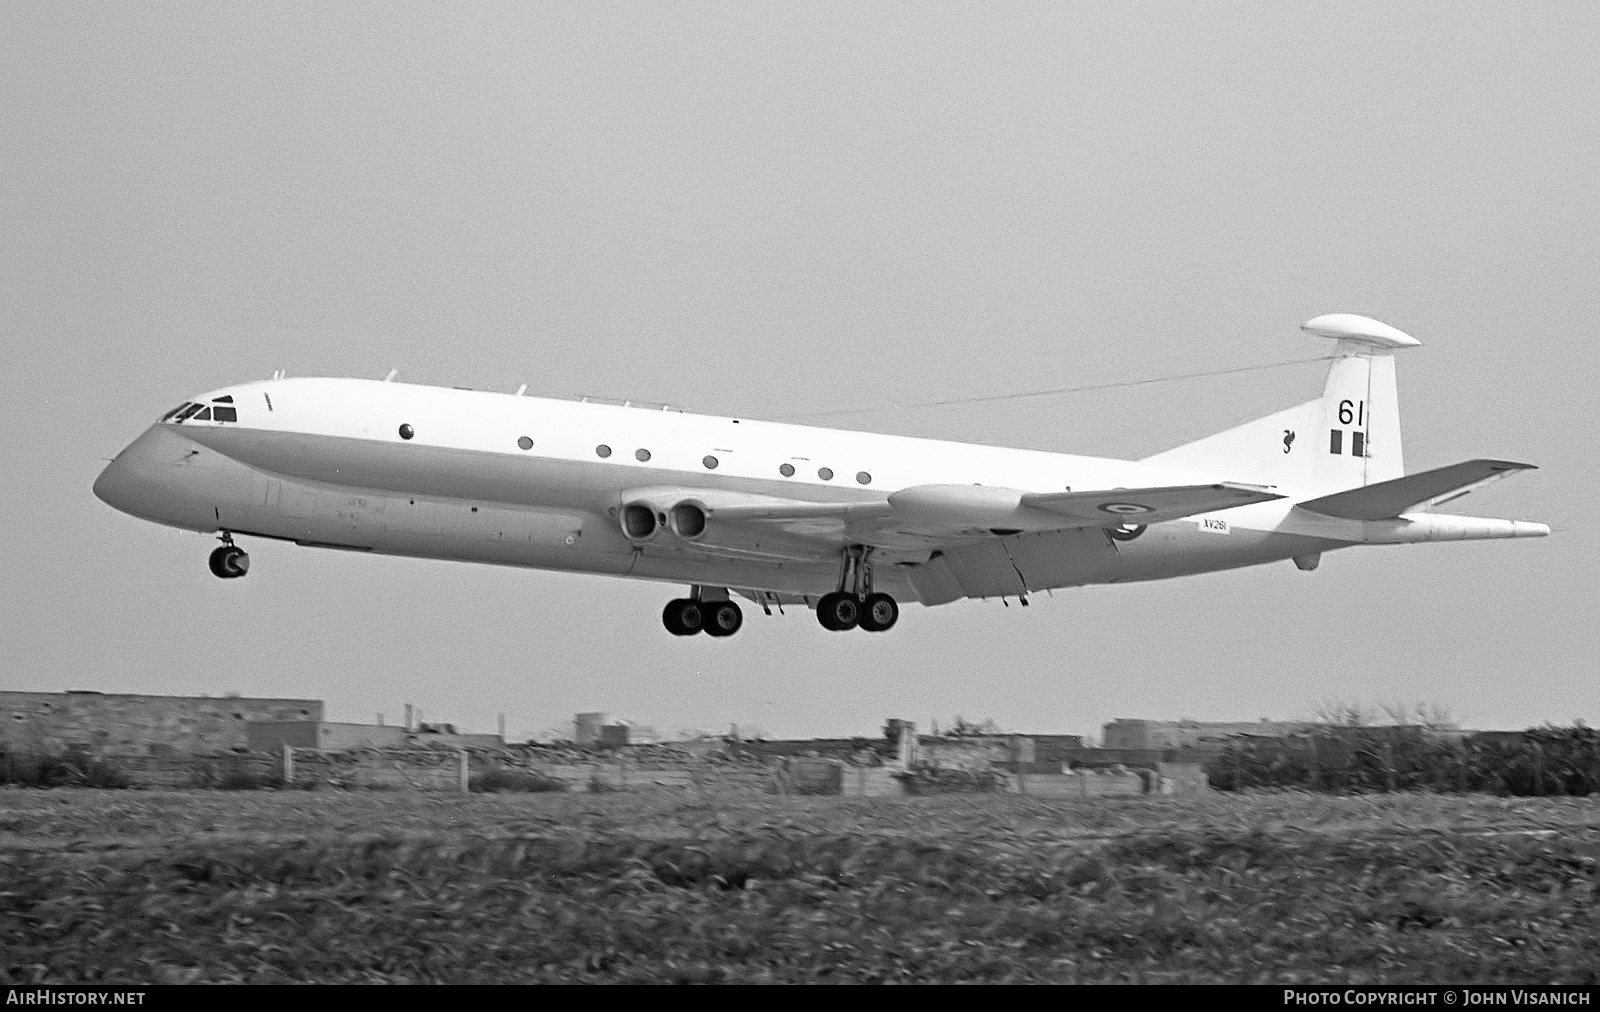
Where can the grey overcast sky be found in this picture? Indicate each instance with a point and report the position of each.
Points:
(775, 209)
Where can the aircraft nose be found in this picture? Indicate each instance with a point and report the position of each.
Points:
(142, 480)
(113, 484)
(125, 484)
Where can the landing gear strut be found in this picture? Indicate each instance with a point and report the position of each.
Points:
(686, 616)
(229, 562)
(855, 604)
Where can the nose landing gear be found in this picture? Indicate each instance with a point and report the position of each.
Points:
(229, 562)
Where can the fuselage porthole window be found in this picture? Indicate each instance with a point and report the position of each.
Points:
(225, 413)
(709, 461)
(825, 473)
(787, 470)
(602, 451)
(406, 431)
(863, 477)
(641, 455)
(523, 442)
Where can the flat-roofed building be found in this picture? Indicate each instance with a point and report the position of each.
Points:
(133, 724)
(1124, 733)
(334, 736)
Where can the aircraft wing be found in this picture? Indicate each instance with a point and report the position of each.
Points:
(1388, 499)
(794, 509)
(942, 516)
(945, 541)
(933, 509)
(1145, 505)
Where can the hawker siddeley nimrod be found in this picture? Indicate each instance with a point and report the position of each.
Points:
(848, 523)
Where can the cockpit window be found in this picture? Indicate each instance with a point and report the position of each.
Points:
(223, 412)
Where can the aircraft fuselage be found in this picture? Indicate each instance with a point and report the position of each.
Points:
(770, 511)
(322, 462)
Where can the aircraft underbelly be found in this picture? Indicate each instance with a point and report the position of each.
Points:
(394, 525)
(1187, 547)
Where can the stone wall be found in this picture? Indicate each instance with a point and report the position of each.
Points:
(1083, 783)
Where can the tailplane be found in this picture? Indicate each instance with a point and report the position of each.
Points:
(1388, 499)
(1347, 438)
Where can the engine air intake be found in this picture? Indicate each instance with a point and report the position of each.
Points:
(688, 520)
(638, 521)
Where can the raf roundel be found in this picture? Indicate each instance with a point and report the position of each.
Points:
(1124, 509)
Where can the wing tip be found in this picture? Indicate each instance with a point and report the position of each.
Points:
(1496, 464)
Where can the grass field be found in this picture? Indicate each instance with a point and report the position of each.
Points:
(269, 886)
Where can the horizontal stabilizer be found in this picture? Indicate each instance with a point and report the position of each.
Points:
(1388, 499)
(1146, 505)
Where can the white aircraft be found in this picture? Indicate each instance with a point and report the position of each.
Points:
(848, 523)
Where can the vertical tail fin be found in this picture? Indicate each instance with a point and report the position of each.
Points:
(1347, 438)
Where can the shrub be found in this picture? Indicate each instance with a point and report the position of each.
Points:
(73, 768)
(237, 778)
(525, 781)
(1540, 761)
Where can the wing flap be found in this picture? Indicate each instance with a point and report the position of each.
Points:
(1388, 499)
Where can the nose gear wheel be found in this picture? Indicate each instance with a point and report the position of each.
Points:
(229, 562)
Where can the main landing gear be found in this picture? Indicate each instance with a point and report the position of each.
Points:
(229, 562)
(686, 616)
(859, 606)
